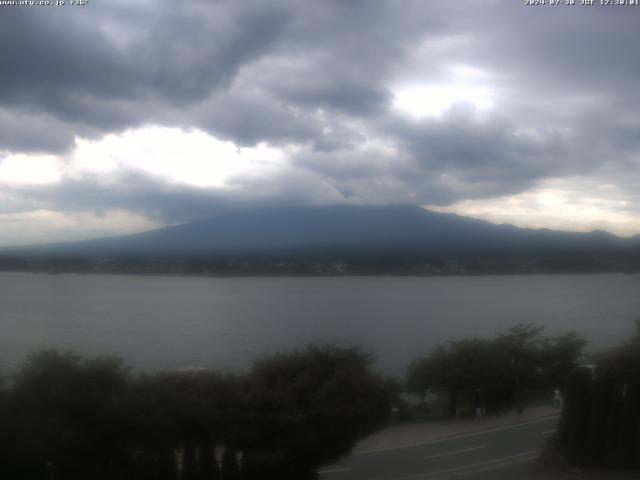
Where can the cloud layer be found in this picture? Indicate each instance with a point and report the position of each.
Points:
(162, 112)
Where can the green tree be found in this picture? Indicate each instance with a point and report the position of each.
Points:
(310, 407)
(496, 372)
(466, 369)
(66, 417)
(600, 423)
(560, 357)
(189, 411)
(522, 344)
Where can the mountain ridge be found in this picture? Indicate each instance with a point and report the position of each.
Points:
(282, 230)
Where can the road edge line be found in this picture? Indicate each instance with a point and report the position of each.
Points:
(463, 435)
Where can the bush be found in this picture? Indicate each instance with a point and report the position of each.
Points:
(493, 374)
(71, 418)
(600, 424)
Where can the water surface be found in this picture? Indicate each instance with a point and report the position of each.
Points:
(169, 322)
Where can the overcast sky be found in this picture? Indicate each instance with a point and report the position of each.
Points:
(126, 115)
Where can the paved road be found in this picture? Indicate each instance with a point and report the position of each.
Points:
(503, 452)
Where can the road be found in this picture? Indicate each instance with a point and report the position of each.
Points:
(502, 452)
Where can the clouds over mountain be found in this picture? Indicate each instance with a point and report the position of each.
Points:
(326, 102)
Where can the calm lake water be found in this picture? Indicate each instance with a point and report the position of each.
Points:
(168, 322)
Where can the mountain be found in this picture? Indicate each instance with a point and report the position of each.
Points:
(339, 232)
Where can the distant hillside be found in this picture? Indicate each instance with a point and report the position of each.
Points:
(338, 233)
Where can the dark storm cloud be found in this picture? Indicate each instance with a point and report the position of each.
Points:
(83, 68)
(569, 67)
(129, 190)
(116, 66)
(166, 202)
(479, 153)
(251, 117)
(575, 50)
(37, 132)
(353, 98)
(320, 76)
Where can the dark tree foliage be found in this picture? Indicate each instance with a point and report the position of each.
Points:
(498, 372)
(600, 424)
(310, 407)
(559, 356)
(181, 411)
(64, 418)
(68, 418)
(464, 368)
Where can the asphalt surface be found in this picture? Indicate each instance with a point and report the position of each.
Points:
(499, 453)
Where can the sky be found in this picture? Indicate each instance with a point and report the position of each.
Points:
(124, 116)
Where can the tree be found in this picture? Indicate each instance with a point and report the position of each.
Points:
(188, 411)
(466, 368)
(310, 407)
(521, 344)
(66, 418)
(560, 357)
(70, 418)
(600, 423)
(427, 372)
(495, 373)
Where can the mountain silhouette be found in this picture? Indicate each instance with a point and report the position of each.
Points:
(339, 230)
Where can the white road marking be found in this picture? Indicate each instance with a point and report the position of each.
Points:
(466, 435)
(456, 452)
(484, 466)
(333, 470)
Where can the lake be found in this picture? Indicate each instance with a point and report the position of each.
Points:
(170, 322)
